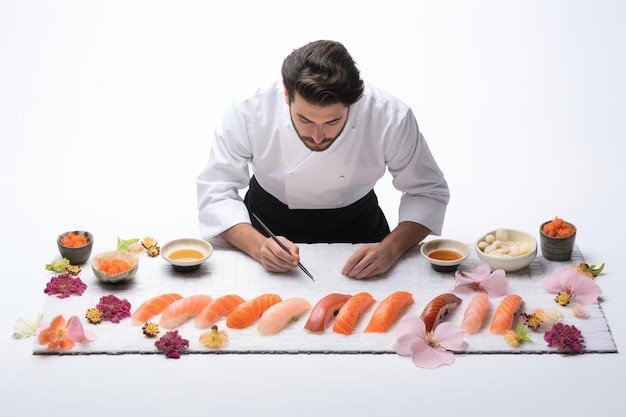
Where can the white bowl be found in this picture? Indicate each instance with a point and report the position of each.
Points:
(509, 263)
(115, 278)
(187, 254)
(439, 264)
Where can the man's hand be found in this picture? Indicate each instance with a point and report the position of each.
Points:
(371, 260)
(276, 259)
(265, 250)
(367, 261)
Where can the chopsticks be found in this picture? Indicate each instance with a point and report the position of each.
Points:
(273, 236)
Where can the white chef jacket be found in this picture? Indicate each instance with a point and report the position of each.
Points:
(380, 133)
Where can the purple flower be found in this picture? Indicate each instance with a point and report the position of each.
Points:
(65, 285)
(113, 309)
(172, 344)
(565, 337)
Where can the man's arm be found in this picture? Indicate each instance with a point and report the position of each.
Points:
(273, 258)
(371, 260)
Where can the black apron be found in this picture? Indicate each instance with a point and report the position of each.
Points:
(361, 222)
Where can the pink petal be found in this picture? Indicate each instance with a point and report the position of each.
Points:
(77, 333)
(411, 324)
(404, 344)
(496, 283)
(424, 356)
(584, 289)
(557, 280)
(482, 269)
(409, 329)
(450, 336)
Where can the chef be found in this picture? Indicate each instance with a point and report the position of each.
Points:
(310, 149)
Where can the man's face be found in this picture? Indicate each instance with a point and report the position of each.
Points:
(318, 127)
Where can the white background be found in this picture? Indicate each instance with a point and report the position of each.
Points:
(106, 117)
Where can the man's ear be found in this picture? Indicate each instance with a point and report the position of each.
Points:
(286, 94)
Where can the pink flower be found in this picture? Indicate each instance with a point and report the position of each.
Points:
(482, 279)
(428, 349)
(570, 285)
(64, 285)
(62, 335)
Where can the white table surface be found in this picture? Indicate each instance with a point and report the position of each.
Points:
(106, 113)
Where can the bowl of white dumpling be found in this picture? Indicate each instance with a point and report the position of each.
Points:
(507, 249)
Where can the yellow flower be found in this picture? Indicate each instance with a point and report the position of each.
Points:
(214, 338)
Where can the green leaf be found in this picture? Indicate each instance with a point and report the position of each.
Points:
(60, 265)
(124, 244)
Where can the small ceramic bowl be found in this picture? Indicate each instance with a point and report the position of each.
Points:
(509, 263)
(186, 255)
(123, 276)
(556, 248)
(76, 255)
(445, 255)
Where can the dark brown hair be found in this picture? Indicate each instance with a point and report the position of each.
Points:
(323, 73)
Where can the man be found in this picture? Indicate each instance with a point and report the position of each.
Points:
(317, 143)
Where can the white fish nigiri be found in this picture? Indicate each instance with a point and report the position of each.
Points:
(275, 318)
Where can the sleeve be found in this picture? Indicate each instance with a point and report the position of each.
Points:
(219, 204)
(425, 193)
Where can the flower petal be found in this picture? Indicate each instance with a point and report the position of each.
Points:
(584, 290)
(557, 280)
(76, 332)
(404, 344)
(450, 336)
(496, 283)
(424, 356)
(411, 324)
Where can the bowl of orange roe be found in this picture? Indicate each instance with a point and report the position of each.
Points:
(557, 238)
(115, 266)
(75, 246)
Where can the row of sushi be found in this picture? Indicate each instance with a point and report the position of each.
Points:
(273, 313)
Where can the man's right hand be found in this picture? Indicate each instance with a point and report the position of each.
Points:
(265, 250)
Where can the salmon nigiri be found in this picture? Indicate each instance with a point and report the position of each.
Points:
(503, 317)
(281, 314)
(323, 312)
(182, 310)
(388, 311)
(437, 308)
(152, 307)
(249, 311)
(216, 309)
(350, 312)
(475, 313)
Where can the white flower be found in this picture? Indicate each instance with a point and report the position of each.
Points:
(24, 328)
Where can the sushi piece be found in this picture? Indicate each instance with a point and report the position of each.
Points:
(216, 309)
(350, 312)
(503, 317)
(388, 311)
(281, 314)
(182, 310)
(437, 308)
(475, 313)
(152, 307)
(250, 311)
(324, 311)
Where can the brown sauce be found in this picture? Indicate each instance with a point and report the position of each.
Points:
(444, 255)
(183, 254)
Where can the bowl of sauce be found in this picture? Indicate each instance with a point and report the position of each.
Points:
(445, 255)
(186, 255)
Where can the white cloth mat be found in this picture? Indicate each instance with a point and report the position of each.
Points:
(229, 271)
